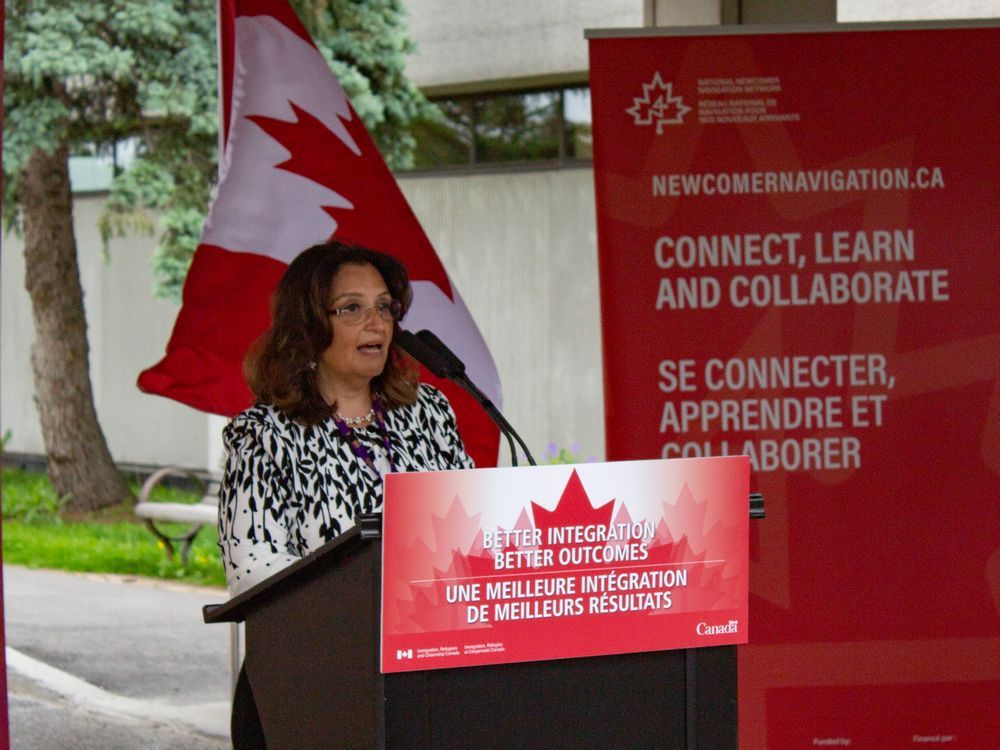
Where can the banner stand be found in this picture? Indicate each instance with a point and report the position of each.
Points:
(798, 253)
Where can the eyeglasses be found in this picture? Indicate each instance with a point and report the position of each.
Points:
(354, 313)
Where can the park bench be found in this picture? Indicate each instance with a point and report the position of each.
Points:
(195, 515)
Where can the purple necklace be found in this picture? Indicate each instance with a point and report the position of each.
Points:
(360, 450)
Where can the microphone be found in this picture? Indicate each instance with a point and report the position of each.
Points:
(451, 362)
(422, 352)
(443, 362)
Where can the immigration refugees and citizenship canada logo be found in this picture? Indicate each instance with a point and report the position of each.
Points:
(658, 105)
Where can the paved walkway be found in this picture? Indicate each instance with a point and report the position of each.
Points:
(101, 662)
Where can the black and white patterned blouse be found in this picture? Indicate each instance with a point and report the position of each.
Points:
(288, 489)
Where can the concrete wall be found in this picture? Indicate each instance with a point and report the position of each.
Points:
(520, 246)
(127, 330)
(915, 10)
(469, 44)
(674, 13)
(522, 249)
(779, 11)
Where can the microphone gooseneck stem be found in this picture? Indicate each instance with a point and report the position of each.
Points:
(435, 355)
(498, 418)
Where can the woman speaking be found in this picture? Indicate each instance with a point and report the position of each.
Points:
(338, 405)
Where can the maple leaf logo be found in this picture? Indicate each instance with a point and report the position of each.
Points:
(658, 105)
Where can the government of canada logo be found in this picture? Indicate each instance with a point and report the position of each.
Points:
(703, 628)
(658, 105)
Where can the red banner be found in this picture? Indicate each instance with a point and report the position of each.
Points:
(798, 250)
(508, 565)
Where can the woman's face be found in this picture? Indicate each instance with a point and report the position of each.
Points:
(359, 349)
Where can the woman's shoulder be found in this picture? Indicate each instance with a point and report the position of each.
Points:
(432, 402)
(429, 395)
(259, 415)
(429, 404)
(257, 423)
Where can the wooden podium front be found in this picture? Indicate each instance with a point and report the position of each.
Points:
(312, 659)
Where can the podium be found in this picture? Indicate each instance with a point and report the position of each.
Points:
(312, 659)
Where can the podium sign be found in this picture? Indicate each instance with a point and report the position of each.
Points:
(493, 566)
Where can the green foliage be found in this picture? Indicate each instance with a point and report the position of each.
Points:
(37, 533)
(123, 548)
(181, 232)
(28, 497)
(366, 45)
(572, 455)
(96, 73)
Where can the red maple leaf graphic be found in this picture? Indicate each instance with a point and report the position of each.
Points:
(427, 612)
(711, 585)
(417, 604)
(380, 217)
(573, 509)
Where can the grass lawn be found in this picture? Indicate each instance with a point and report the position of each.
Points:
(38, 533)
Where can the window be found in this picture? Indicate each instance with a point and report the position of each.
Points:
(514, 127)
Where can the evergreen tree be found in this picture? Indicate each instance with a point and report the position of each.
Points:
(83, 76)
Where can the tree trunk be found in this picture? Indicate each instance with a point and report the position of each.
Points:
(80, 464)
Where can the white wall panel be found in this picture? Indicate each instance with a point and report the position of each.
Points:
(915, 10)
(463, 41)
(127, 330)
(521, 248)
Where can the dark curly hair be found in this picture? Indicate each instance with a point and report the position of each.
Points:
(279, 367)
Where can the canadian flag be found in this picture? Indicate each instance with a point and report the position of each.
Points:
(297, 167)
